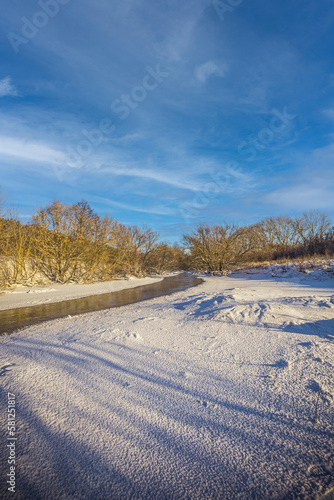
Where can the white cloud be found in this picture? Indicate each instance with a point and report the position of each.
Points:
(323, 156)
(6, 88)
(157, 176)
(303, 197)
(329, 112)
(127, 138)
(204, 71)
(132, 208)
(226, 179)
(30, 150)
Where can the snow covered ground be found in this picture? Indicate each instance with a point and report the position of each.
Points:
(23, 296)
(220, 391)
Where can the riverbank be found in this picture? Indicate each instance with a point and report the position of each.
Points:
(24, 296)
(220, 391)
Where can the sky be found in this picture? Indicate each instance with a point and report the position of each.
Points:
(168, 113)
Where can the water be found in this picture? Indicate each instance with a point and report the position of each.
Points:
(16, 319)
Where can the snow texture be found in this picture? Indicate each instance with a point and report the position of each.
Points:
(223, 391)
(24, 296)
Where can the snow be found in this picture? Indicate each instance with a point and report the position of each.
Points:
(23, 296)
(220, 391)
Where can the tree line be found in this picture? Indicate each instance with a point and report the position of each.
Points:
(219, 248)
(71, 243)
(65, 243)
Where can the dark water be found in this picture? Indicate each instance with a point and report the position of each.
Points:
(15, 319)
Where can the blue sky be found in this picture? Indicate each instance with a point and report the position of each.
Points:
(168, 113)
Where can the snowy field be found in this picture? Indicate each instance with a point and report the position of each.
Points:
(221, 391)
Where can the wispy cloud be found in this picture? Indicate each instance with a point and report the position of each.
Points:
(329, 113)
(40, 152)
(158, 210)
(307, 188)
(204, 171)
(7, 88)
(324, 156)
(301, 197)
(208, 69)
(171, 179)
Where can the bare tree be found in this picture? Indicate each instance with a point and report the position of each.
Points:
(143, 242)
(55, 252)
(217, 248)
(120, 250)
(278, 233)
(165, 258)
(312, 226)
(71, 242)
(15, 247)
(92, 235)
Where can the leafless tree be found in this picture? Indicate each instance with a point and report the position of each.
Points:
(217, 248)
(312, 226)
